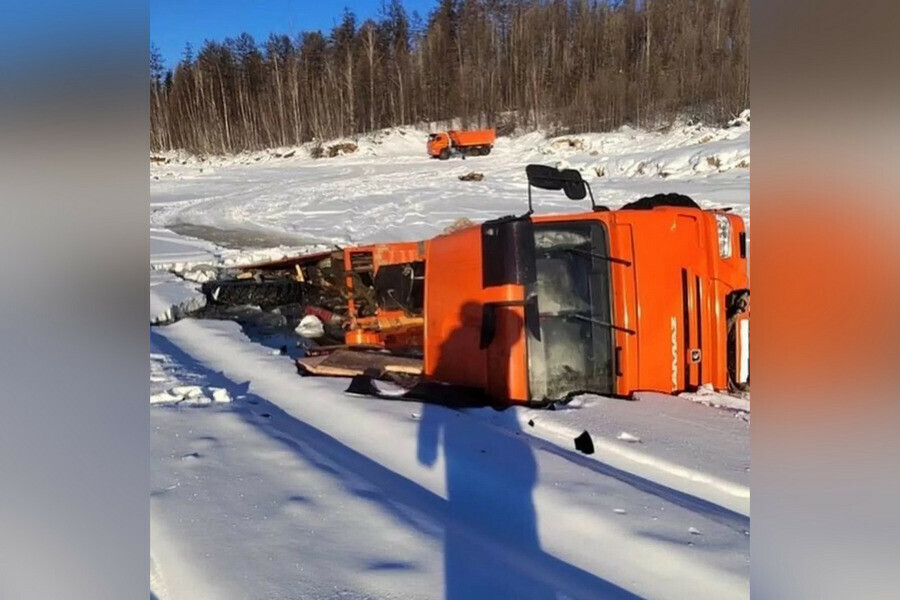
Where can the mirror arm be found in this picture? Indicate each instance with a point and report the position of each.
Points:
(593, 204)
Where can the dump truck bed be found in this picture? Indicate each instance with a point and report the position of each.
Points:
(475, 137)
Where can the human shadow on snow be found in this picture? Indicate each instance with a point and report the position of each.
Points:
(488, 525)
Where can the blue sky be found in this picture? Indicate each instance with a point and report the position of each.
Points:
(174, 23)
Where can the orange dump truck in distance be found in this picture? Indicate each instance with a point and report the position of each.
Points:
(472, 143)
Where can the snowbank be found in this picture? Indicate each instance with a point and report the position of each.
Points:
(172, 298)
(708, 396)
(701, 452)
(191, 394)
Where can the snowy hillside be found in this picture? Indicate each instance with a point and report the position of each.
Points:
(389, 189)
(268, 485)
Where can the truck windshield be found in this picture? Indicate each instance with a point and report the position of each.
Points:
(574, 351)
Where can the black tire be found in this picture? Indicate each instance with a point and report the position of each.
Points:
(265, 294)
(445, 154)
(485, 150)
(651, 202)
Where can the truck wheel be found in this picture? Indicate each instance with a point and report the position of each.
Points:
(485, 150)
(265, 294)
(445, 154)
(651, 202)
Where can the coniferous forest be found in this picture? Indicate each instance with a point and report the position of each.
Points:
(562, 65)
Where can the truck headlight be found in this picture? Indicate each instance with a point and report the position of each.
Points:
(723, 225)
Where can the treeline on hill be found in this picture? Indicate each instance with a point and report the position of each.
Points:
(577, 65)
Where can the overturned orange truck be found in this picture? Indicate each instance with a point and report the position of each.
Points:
(533, 309)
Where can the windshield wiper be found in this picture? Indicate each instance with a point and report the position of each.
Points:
(612, 259)
(575, 315)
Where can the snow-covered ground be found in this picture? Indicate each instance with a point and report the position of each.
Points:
(269, 485)
(390, 190)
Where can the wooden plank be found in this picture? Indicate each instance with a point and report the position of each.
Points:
(329, 349)
(329, 371)
(408, 369)
(347, 363)
(286, 263)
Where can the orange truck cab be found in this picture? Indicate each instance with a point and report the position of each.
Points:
(533, 309)
(472, 143)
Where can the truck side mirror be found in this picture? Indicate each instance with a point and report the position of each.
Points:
(575, 190)
(547, 178)
(551, 178)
